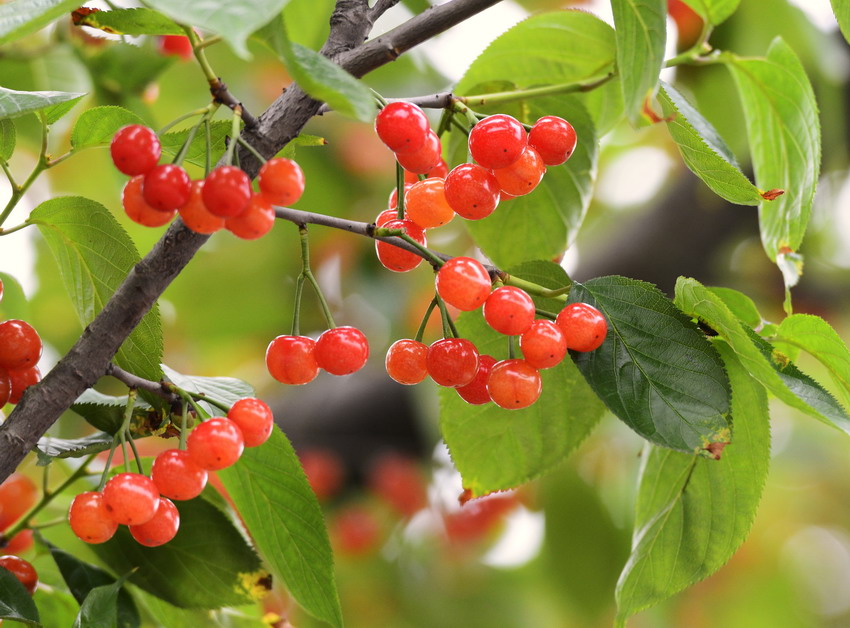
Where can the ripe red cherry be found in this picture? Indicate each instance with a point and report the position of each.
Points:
(497, 141)
(405, 361)
(254, 418)
(21, 379)
(354, 531)
(130, 498)
(472, 191)
(509, 310)
(195, 214)
(426, 204)
(475, 392)
(324, 472)
(135, 149)
(281, 181)
(17, 495)
(392, 202)
(397, 259)
(167, 187)
(176, 46)
(227, 191)
(402, 126)
(138, 210)
(583, 325)
(215, 444)
(543, 345)
(291, 359)
(398, 481)
(425, 159)
(22, 570)
(19, 543)
(464, 283)
(342, 350)
(554, 138)
(89, 518)
(20, 345)
(161, 528)
(176, 476)
(5, 387)
(452, 362)
(522, 176)
(255, 222)
(514, 384)
(439, 171)
(385, 216)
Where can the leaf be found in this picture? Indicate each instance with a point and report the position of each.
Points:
(692, 513)
(14, 303)
(129, 22)
(842, 14)
(7, 139)
(641, 33)
(15, 601)
(20, 18)
(228, 390)
(100, 609)
(219, 131)
(55, 607)
(302, 141)
(97, 125)
(106, 412)
(740, 305)
(56, 112)
(208, 564)
(234, 21)
(94, 255)
(123, 70)
(704, 151)
(320, 77)
(14, 104)
(271, 493)
(713, 11)
(784, 135)
(51, 447)
(656, 371)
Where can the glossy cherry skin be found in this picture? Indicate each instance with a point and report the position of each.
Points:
(554, 139)
(402, 126)
(522, 176)
(425, 204)
(497, 141)
(135, 149)
(514, 384)
(21, 379)
(472, 191)
(281, 181)
(130, 498)
(195, 214)
(475, 392)
(254, 418)
(406, 361)
(342, 350)
(5, 387)
(439, 171)
(583, 325)
(425, 159)
(22, 570)
(176, 476)
(20, 345)
(392, 200)
(543, 345)
(386, 216)
(395, 258)
(176, 45)
(18, 494)
(227, 191)
(509, 310)
(291, 359)
(452, 362)
(464, 283)
(137, 208)
(161, 528)
(89, 518)
(215, 444)
(255, 222)
(167, 187)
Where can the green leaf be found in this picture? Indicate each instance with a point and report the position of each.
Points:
(106, 412)
(320, 77)
(208, 564)
(656, 371)
(14, 103)
(58, 111)
(692, 513)
(197, 153)
(271, 493)
(704, 151)
(234, 21)
(123, 70)
(714, 11)
(98, 125)
(740, 305)
(55, 607)
(641, 32)
(14, 303)
(302, 141)
(52, 447)
(101, 607)
(7, 139)
(228, 390)
(15, 601)
(784, 134)
(130, 22)
(19, 18)
(842, 14)
(94, 255)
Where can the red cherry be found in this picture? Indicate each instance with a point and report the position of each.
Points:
(227, 191)
(20, 345)
(19, 543)
(138, 210)
(161, 528)
(426, 205)
(215, 444)
(472, 191)
(18, 494)
(385, 216)
(464, 283)
(475, 392)
(477, 518)
(425, 159)
(439, 171)
(398, 481)
(342, 350)
(522, 176)
(395, 258)
(291, 359)
(402, 126)
(176, 476)
(583, 325)
(514, 384)
(176, 46)
(452, 362)
(354, 531)
(167, 187)
(130, 498)
(497, 141)
(135, 149)
(405, 361)
(255, 222)
(281, 181)
(324, 472)
(392, 202)
(22, 570)
(554, 138)
(5, 387)
(195, 214)
(89, 518)
(254, 418)
(509, 310)
(543, 345)
(21, 379)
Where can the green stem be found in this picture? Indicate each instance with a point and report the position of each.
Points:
(383, 101)
(545, 314)
(200, 55)
(183, 420)
(499, 98)
(251, 149)
(208, 152)
(694, 53)
(190, 397)
(532, 288)
(15, 228)
(296, 315)
(19, 191)
(135, 453)
(185, 116)
(383, 232)
(399, 186)
(234, 135)
(448, 323)
(181, 155)
(511, 348)
(209, 41)
(421, 331)
(12, 183)
(106, 468)
(307, 273)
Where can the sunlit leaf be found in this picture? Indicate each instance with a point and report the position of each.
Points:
(714, 11)
(14, 103)
(97, 125)
(138, 21)
(20, 18)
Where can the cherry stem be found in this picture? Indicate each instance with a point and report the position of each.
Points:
(449, 328)
(106, 467)
(208, 151)
(532, 288)
(545, 313)
(135, 453)
(235, 131)
(399, 186)
(184, 416)
(181, 155)
(200, 55)
(185, 116)
(435, 260)
(479, 100)
(307, 273)
(381, 100)
(296, 315)
(190, 396)
(511, 347)
(421, 331)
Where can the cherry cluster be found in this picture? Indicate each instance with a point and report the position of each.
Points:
(20, 349)
(17, 495)
(144, 503)
(297, 359)
(225, 199)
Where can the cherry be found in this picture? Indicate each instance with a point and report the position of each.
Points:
(543, 345)
(176, 476)
(137, 208)
(497, 141)
(439, 171)
(281, 181)
(425, 159)
(89, 518)
(385, 216)
(291, 359)
(452, 362)
(464, 283)
(130, 498)
(472, 191)
(176, 46)
(161, 528)
(20, 380)
(477, 518)
(402, 126)
(255, 222)
(583, 325)
(522, 176)
(398, 481)
(355, 531)
(324, 472)
(22, 570)
(135, 149)
(554, 138)
(514, 384)
(475, 392)
(20, 345)
(254, 418)
(342, 350)
(215, 444)
(509, 310)
(195, 214)
(19, 543)
(167, 187)
(426, 204)
(405, 361)
(227, 191)
(395, 258)
(392, 203)
(5, 387)
(17, 495)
